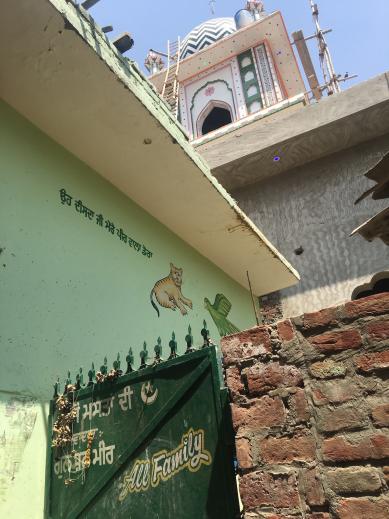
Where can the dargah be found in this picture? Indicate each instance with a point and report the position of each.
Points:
(151, 366)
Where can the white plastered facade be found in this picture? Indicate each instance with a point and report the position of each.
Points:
(223, 85)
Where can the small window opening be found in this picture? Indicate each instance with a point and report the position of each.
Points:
(216, 118)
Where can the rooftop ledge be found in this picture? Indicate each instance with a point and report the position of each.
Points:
(240, 123)
(245, 156)
(60, 71)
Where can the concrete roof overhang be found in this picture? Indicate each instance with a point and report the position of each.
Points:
(245, 156)
(62, 73)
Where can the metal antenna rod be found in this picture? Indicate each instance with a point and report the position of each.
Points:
(326, 63)
(252, 298)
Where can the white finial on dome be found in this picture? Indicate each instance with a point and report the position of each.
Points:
(256, 8)
(153, 62)
(212, 5)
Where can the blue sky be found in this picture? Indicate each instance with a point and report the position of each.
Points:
(359, 42)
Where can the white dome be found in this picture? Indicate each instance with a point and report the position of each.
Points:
(207, 33)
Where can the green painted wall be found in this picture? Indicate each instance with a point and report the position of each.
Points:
(72, 292)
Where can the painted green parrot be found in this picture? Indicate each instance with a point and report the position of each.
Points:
(219, 311)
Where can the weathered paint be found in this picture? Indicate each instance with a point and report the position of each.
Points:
(23, 432)
(17, 418)
(71, 292)
(158, 447)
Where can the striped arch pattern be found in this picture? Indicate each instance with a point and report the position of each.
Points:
(206, 34)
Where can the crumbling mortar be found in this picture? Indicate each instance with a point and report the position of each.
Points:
(240, 399)
(313, 427)
(330, 434)
(283, 392)
(309, 352)
(373, 347)
(282, 512)
(250, 361)
(275, 345)
(299, 354)
(341, 356)
(307, 333)
(347, 320)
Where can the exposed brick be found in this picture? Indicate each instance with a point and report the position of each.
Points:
(313, 488)
(299, 405)
(300, 447)
(271, 308)
(341, 403)
(334, 391)
(371, 305)
(285, 330)
(331, 420)
(246, 344)
(327, 369)
(265, 489)
(380, 415)
(263, 412)
(363, 508)
(353, 480)
(359, 447)
(265, 377)
(243, 453)
(378, 330)
(234, 382)
(337, 340)
(321, 319)
(372, 361)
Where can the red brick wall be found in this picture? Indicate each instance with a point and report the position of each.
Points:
(310, 407)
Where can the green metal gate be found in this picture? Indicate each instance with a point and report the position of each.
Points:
(151, 444)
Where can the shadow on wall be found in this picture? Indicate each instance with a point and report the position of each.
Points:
(309, 216)
(378, 285)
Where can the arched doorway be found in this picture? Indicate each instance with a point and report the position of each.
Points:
(216, 118)
(215, 115)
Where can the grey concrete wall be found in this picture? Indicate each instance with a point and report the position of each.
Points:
(313, 207)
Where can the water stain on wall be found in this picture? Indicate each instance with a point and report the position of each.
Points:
(17, 420)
